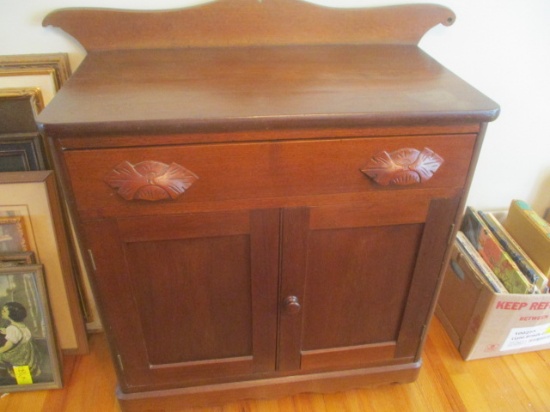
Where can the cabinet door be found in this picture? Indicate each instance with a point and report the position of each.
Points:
(358, 281)
(188, 298)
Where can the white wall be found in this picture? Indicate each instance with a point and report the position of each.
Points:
(502, 47)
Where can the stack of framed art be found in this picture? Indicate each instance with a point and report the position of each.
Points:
(27, 84)
(36, 278)
(34, 221)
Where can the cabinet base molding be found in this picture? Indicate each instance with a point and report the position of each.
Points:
(217, 394)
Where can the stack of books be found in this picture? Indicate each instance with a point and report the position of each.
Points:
(512, 256)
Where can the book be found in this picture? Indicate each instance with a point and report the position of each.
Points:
(479, 266)
(502, 265)
(531, 232)
(526, 265)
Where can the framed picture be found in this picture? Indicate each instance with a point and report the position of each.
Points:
(47, 72)
(12, 235)
(27, 84)
(28, 353)
(21, 146)
(17, 258)
(22, 212)
(33, 197)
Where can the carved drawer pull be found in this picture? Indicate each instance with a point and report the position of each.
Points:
(150, 180)
(403, 167)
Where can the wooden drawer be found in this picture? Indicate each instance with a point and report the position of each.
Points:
(108, 181)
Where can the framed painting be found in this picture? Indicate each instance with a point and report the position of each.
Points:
(33, 196)
(47, 72)
(21, 212)
(13, 237)
(21, 146)
(17, 258)
(28, 353)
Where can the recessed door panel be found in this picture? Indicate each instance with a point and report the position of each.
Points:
(193, 297)
(356, 284)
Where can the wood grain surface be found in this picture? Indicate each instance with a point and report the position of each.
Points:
(248, 22)
(261, 88)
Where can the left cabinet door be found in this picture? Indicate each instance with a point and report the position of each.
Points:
(189, 298)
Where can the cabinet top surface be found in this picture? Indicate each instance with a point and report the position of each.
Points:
(267, 86)
(256, 65)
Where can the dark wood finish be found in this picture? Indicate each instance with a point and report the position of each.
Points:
(325, 255)
(150, 180)
(213, 90)
(431, 261)
(276, 387)
(202, 295)
(248, 23)
(283, 268)
(273, 170)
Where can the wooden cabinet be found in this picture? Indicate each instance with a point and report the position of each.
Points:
(263, 218)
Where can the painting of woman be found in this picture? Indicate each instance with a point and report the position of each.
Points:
(19, 348)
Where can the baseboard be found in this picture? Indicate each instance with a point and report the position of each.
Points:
(218, 394)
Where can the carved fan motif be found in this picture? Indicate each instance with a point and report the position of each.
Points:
(403, 167)
(150, 180)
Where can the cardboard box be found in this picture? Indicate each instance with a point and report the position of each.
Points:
(482, 323)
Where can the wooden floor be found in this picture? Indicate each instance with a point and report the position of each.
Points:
(446, 383)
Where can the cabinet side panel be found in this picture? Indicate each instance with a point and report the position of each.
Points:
(429, 267)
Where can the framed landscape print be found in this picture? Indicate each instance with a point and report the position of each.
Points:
(28, 353)
(33, 197)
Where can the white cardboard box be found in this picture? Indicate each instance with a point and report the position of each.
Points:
(485, 324)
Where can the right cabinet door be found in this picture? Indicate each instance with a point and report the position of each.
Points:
(358, 281)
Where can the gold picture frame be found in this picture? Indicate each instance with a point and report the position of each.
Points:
(47, 72)
(13, 237)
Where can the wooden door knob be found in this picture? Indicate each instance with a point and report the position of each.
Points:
(292, 305)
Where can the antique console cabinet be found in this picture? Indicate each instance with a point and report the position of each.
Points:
(266, 192)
